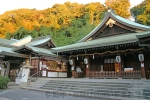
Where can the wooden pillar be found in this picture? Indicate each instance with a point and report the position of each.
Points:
(118, 67)
(8, 68)
(141, 59)
(87, 67)
(142, 69)
(72, 63)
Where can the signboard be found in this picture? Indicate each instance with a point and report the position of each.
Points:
(43, 73)
(142, 64)
(128, 69)
(52, 74)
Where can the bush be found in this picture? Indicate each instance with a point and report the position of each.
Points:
(3, 81)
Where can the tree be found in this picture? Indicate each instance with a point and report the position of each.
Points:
(121, 7)
(142, 12)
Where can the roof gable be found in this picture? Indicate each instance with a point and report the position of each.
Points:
(42, 42)
(113, 24)
(22, 41)
(41, 45)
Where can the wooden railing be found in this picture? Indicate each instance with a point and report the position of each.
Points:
(132, 74)
(104, 74)
(147, 74)
(112, 74)
(78, 74)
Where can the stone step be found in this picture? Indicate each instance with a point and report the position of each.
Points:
(88, 94)
(102, 89)
(88, 84)
(133, 84)
(102, 93)
(84, 89)
(91, 87)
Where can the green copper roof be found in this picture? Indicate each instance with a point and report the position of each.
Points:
(105, 41)
(6, 41)
(8, 51)
(111, 14)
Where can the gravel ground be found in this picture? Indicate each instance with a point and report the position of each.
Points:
(21, 94)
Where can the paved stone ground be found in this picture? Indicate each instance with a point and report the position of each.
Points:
(21, 94)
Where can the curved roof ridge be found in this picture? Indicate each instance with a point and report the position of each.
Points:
(111, 14)
(42, 37)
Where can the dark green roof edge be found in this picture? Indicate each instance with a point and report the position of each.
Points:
(106, 41)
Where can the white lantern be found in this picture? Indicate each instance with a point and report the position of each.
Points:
(141, 57)
(85, 61)
(71, 62)
(118, 59)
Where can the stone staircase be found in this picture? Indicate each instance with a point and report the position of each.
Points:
(35, 84)
(100, 88)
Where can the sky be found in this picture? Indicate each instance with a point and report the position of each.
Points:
(7, 5)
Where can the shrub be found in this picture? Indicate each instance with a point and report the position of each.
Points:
(3, 81)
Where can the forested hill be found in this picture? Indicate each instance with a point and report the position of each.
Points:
(65, 23)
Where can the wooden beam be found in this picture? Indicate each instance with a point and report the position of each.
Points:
(125, 27)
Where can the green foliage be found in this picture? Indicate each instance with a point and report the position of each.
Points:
(66, 23)
(137, 10)
(3, 81)
(121, 7)
(8, 35)
(77, 29)
(142, 12)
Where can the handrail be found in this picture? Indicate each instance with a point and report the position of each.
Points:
(34, 74)
(29, 79)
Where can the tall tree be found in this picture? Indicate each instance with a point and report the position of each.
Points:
(121, 7)
(142, 12)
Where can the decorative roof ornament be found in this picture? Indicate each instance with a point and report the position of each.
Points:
(109, 10)
(110, 22)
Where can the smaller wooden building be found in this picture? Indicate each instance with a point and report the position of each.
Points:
(10, 61)
(45, 63)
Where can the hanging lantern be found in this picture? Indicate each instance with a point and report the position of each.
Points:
(77, 58)
(71, 62)
(93, 56)
(141, 57)
(118, 59)
(85, 61)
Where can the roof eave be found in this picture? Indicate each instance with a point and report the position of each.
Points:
(93, 46)
(15, 54)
